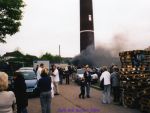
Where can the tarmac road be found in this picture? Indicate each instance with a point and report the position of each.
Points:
(69, 102)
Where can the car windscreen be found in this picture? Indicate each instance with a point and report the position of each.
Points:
(28, 75)
(80, 71)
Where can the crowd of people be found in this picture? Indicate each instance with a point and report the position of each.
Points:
(109, 81)
(48, 86)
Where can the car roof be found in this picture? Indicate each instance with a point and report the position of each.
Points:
(26, 68)
(80, 69)
(21, 70)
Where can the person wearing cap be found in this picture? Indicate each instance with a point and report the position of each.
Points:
(87, 77)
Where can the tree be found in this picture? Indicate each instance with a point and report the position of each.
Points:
(10, 16)
(53, 59)
(47, 56)
(28, 60)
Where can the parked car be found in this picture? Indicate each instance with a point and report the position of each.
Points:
(10, 81)
(30, 80)
(80, 74)
(26, 68)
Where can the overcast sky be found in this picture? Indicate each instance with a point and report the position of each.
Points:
(46, 24)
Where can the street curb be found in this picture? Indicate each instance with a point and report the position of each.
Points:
(95, 87)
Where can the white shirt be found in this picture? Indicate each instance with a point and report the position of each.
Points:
(52, 86)
(56, 77)
(39, 73)
(7, 99)
(106, 76)
(66, 68)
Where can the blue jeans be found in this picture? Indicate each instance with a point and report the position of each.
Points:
(22, 110)
(45, 99)
(106, 94)
(88, 89)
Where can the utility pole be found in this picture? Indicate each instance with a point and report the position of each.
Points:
(59, 50)
(59, 54)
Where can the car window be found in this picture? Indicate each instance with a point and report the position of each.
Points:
(80, 71)
(28, 75)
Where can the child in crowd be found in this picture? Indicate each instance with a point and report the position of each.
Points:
(82, 88)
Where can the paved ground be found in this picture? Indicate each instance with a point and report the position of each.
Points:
(68, 102)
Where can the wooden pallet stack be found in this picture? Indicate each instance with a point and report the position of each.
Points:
(135, 76)
(145, 100)
(145, 104)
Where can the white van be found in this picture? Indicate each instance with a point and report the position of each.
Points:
(38, 62)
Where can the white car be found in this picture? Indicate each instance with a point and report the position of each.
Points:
(80, 74)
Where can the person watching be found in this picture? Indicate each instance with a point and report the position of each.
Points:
(7, 98)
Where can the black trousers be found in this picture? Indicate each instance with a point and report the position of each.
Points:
(21, 109)
(82, 89)
(116, 93)
(67, 79)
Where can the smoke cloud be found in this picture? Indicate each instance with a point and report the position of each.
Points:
(102, 55)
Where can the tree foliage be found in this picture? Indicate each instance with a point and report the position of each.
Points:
(51, 58)
(10, 16)
(17, 59)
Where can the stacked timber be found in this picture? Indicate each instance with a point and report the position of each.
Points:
(145, 100)
(135, 77)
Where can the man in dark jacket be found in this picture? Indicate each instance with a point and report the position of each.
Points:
(87, 77)
(20, 93)
(115, 82)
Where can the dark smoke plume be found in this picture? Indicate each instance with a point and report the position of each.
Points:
(102, 55)
(148, 49)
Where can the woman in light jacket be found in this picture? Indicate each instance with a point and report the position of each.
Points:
(7, 98)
